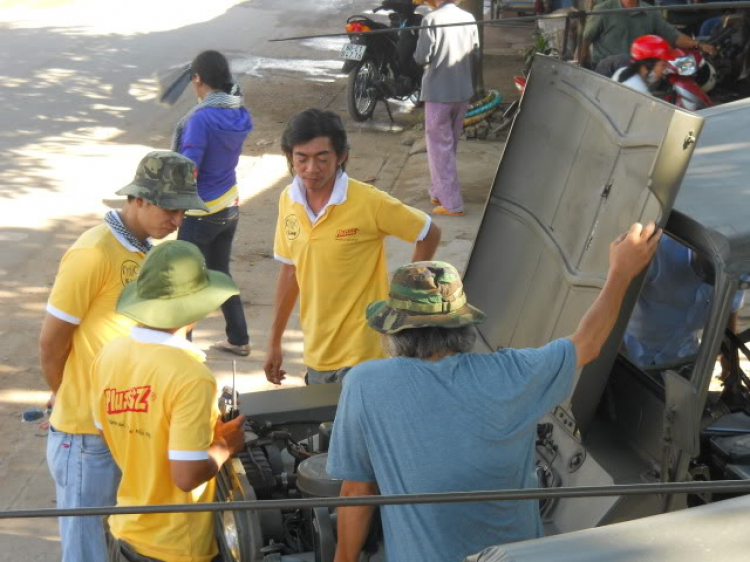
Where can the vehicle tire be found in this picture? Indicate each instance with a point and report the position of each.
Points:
(361, 95)
(509, 115)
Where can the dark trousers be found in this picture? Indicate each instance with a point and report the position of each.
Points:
(214, 234)
(121, 551)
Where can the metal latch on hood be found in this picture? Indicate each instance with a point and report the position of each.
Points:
(566, 420)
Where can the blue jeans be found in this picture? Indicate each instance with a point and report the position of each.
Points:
(85, 475)
(214, 234)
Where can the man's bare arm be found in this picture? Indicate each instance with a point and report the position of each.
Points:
(732, 322)
(287, 291)
(229, 439)
(628, 255)
(354, 522)
(685, 42)
(424, 250)
(55, 342)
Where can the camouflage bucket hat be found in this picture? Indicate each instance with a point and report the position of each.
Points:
(167, 180)
(174, 288)
(423, 294)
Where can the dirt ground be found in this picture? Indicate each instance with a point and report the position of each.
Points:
(378, 155)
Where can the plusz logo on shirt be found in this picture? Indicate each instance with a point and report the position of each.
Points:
(134, 399)
(346, 232)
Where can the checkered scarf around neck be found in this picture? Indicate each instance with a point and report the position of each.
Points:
(115, 223)
(222, 100)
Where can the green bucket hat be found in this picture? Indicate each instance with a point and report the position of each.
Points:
(167, 180)
(423, 294)
(174, 288)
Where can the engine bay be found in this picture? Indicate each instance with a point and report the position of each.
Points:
(287, 433)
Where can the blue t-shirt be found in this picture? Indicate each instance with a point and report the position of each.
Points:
(671, 310)
(464, 423)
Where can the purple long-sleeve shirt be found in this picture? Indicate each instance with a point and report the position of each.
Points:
(213, 138)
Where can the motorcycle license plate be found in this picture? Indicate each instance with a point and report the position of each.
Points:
(353, 51)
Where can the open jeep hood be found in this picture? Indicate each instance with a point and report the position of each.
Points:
(586, 158)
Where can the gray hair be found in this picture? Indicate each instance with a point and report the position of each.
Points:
(424, 343)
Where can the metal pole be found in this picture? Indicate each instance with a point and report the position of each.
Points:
(563, 54)
(727, 486)
(511, 21)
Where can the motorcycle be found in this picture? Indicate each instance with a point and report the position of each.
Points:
(382, 66)
(689, 76)
(730, 34)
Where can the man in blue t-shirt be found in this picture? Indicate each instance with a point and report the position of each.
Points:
(673, 308)
(436, 418)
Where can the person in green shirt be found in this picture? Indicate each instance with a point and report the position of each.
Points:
(612, 34)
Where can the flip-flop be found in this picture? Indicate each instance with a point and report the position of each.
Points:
(440, 210)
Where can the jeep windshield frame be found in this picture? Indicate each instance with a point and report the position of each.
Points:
(709, 215)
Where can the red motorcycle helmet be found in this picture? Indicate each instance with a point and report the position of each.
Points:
(651, 47)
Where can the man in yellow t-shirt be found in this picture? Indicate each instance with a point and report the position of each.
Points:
(81, 318)
(330, 241)
(156, 404)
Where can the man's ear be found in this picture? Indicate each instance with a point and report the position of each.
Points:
(290, 163)
(343, 158)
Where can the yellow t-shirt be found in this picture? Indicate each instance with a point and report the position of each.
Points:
(91, 277)
(155, 400)
(341, 268)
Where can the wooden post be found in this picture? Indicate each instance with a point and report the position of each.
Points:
(584, 48)
(476, 8)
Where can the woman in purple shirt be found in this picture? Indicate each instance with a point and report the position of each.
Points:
(212, 135)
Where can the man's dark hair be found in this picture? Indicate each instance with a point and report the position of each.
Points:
(213, 69)
(424, 343)
(311, 124)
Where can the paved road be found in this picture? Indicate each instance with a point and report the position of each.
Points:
(77, 88)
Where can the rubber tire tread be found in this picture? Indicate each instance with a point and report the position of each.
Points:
(350, 101)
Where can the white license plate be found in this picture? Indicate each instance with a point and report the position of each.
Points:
(353, 51)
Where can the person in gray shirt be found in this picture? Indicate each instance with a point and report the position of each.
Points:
(612, 34)
(449, 55)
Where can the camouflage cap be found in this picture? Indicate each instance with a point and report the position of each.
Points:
(167, 180)
(423, 294)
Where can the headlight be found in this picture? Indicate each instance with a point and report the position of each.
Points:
(685, 66)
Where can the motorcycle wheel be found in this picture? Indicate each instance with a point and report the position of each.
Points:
(361, 95)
